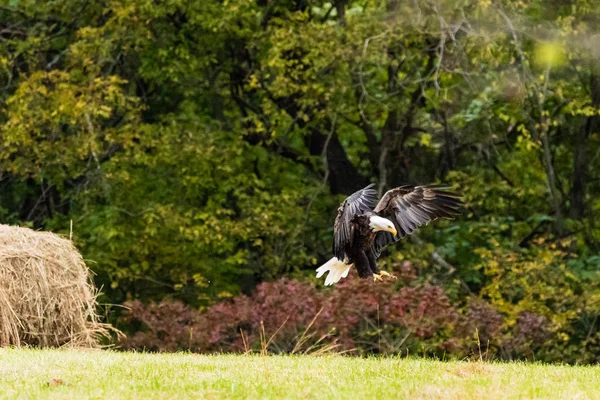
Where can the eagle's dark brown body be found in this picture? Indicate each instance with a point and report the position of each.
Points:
(360, 252)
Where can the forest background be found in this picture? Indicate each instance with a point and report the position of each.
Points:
(200, 150)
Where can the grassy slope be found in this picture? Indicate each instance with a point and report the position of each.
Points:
(96, 374)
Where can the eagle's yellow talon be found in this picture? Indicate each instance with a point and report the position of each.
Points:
(388, 275)
(377, 277)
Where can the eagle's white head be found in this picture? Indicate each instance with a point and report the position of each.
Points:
(382, 224)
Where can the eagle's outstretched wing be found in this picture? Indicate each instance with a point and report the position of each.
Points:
(358, 203)
(409, 207)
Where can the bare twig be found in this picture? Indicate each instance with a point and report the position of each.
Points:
(540, 95)
(92, 132)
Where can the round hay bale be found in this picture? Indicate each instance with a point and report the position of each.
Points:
(47, 297)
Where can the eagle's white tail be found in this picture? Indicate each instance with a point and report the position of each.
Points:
(337, 270)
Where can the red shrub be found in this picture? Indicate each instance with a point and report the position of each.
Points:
(222, 324)
(283, 308)
(481, 320)
(381, 318)
(356, 314)
(167, 326)
(531, 332)
(479, 331)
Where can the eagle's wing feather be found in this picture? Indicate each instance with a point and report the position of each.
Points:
(358, 203)
(409, 207)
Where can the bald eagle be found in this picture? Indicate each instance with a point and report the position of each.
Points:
(364, 227)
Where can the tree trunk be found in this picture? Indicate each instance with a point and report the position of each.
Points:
(340, 6)
(580, 161)
(343, 177)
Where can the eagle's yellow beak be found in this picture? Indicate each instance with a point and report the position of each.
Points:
(393, 230)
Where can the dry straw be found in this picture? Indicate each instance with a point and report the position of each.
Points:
(47, 298)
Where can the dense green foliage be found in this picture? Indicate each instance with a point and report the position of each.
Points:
(201, 147)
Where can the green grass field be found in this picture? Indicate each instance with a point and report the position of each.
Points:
(71, 374)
